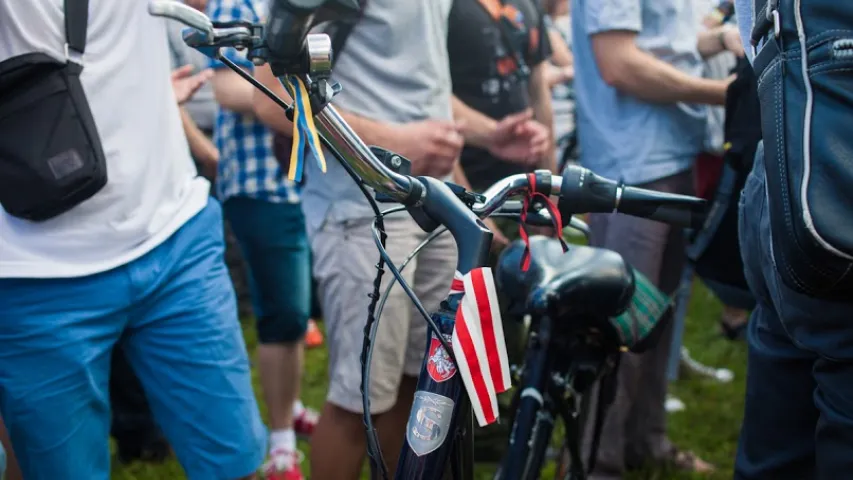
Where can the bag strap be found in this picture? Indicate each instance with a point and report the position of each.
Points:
(343, 28)
(76, 21)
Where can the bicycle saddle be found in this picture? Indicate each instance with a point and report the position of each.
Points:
(582, 281)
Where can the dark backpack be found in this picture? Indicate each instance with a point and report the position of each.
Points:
(806, 106)
(714, 250)
(742, 127)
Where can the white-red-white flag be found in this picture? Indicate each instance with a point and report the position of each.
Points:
(479, 344)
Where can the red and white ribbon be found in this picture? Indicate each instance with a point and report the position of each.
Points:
(478, 342)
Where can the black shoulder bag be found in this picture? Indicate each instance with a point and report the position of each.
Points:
(51, 158)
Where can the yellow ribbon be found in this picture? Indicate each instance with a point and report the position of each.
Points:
(304, 132)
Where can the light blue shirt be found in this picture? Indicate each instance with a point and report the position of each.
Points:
(622, 137)
(745, 21)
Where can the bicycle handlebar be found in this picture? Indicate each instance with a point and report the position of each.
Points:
(581, 191)
(184, 14)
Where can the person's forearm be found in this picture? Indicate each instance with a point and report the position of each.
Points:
(371, 132)
(710, 42)
(476, 127)
(267, 111)
(561, 56)
(641, 75)
(232, 92)
(540, 96)
(200, 146)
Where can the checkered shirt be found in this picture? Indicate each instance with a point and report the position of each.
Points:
(247, 163)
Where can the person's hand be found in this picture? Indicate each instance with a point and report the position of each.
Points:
(185, 84)
(731, 40)
(519, 139)
(499, 240)
(555, 75)
(200, 5)
(433, 146)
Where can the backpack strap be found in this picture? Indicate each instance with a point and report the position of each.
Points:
(343, 29)
(76, 21)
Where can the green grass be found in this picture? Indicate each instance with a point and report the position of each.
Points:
(709, 426)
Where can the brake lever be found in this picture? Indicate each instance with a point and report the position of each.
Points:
(184, 14)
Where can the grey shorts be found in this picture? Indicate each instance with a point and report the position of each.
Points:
(345, 257)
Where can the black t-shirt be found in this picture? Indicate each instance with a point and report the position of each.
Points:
(485, 70)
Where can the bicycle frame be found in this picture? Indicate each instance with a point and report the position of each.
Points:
(440, 426)
(545, 394)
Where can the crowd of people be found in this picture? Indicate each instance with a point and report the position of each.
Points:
(120, 313)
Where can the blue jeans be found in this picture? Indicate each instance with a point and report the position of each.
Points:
(174, 312)
(798, 421)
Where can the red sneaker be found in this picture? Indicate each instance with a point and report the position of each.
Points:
(283, 465)
(305, 422)
(313, 336)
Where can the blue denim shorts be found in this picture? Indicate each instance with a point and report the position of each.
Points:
(174, 310)
(274, 243)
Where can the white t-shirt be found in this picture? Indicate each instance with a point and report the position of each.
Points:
(153, 188)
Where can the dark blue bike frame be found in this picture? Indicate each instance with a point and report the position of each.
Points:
(439, 434)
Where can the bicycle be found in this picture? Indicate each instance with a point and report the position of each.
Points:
(438, 437)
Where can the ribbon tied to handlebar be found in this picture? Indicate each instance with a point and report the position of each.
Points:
(304, 132)
(478, 343)
(556, 218)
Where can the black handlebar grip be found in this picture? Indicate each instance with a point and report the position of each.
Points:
(585, 192)
(678, 210)
(287, 25)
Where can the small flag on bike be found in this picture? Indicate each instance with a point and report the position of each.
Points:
(304, 131)
(478, 343)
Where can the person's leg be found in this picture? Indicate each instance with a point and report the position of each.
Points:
(137, 436)
(636, 420)
(650, 414)
(57, 338)
(610, 457)
(185, 343)
(273, 241)
(344, 266)
(777, 437)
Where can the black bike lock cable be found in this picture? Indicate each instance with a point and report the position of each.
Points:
(374, 451)
(409, 292)
(369, 342)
